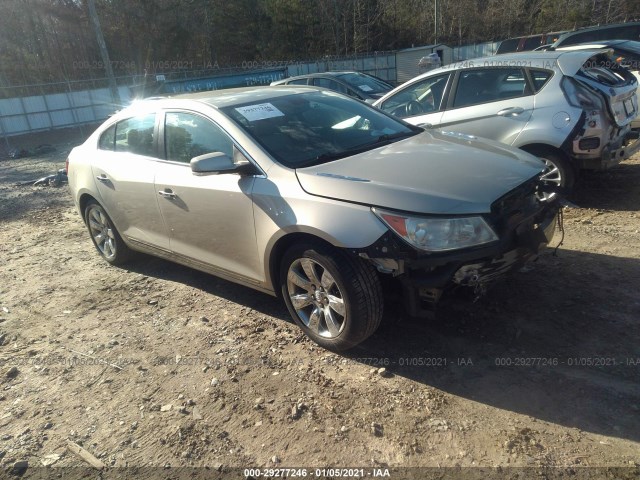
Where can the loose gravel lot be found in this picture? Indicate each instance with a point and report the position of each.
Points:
(156, 365)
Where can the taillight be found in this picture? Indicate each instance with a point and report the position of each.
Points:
(579, 96)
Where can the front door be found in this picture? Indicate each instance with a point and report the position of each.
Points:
(210, 217)
(421, 102)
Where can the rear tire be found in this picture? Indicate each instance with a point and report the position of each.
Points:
(104, 235)
(336, 299)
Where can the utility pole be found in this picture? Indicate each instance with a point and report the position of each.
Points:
(95, 23)
(435, 23)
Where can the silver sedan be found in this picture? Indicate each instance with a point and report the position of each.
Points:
(312, 196)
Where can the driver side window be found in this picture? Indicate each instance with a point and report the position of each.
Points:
(425, 96)
(188, 135)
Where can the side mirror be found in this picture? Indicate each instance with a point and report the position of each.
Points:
(217, 163)
(426, 125)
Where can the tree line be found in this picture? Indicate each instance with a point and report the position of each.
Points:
(52, 40)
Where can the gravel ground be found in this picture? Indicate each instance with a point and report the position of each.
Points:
(156, 365)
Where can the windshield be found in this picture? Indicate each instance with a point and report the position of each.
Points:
(366, 83)
(310, 128)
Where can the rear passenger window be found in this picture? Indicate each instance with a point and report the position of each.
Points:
(300, 81)
(540, 78)
(532, 42)
(489, 85)
(188, 135)
(508, 46)
(108, 139)
(135, 135)
(330, 84)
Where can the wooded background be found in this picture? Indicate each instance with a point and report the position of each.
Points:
(52, 40)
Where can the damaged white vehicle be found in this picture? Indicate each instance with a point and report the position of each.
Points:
(571, 109)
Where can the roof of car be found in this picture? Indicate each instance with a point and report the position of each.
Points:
(598, 44)
(569, 62)
(599, 27)
(321, 74)
(596, 28)
(235, 96)
(328, 74)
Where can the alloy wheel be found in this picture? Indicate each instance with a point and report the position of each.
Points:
(316, 297)
(552, 174)
(102, 232)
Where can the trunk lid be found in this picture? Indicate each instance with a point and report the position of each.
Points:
(618, 86)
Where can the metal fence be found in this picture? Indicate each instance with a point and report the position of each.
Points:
(34, 108)
(45, 112)
(466, 52)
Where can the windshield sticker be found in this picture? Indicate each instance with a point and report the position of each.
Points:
(365, 88)
(259, 112)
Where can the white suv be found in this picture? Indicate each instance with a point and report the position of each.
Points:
(564, 107)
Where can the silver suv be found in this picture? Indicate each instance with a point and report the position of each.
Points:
(310, 195)
(564, 107)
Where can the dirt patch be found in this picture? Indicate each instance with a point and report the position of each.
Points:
(158, 365)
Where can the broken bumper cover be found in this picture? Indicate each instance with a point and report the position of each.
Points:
(423, 288)
(613, 153)
(483, 266)
(424, 276)
(488, 270)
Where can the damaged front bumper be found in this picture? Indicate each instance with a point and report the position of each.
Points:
(524, 229)
(424, 287)
(488, 270)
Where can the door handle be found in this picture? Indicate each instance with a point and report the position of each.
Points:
(102, 178)
(167, 193)
(510, 112)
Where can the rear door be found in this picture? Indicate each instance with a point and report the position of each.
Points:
(209, 217)
(123, 170)
(495, 103)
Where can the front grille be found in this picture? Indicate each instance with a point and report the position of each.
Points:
(519, 197)
(510, 209)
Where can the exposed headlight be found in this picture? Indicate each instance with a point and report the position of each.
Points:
(439, 234)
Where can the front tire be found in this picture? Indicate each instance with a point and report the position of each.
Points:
(336, 299)
(104, 235)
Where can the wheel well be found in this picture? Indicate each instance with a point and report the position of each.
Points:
(539, 149)
(279, 249)
(84, 200)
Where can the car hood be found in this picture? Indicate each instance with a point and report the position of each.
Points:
(430, 173)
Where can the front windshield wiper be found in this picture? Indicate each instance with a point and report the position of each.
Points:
(329, 156)
(393, 136)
